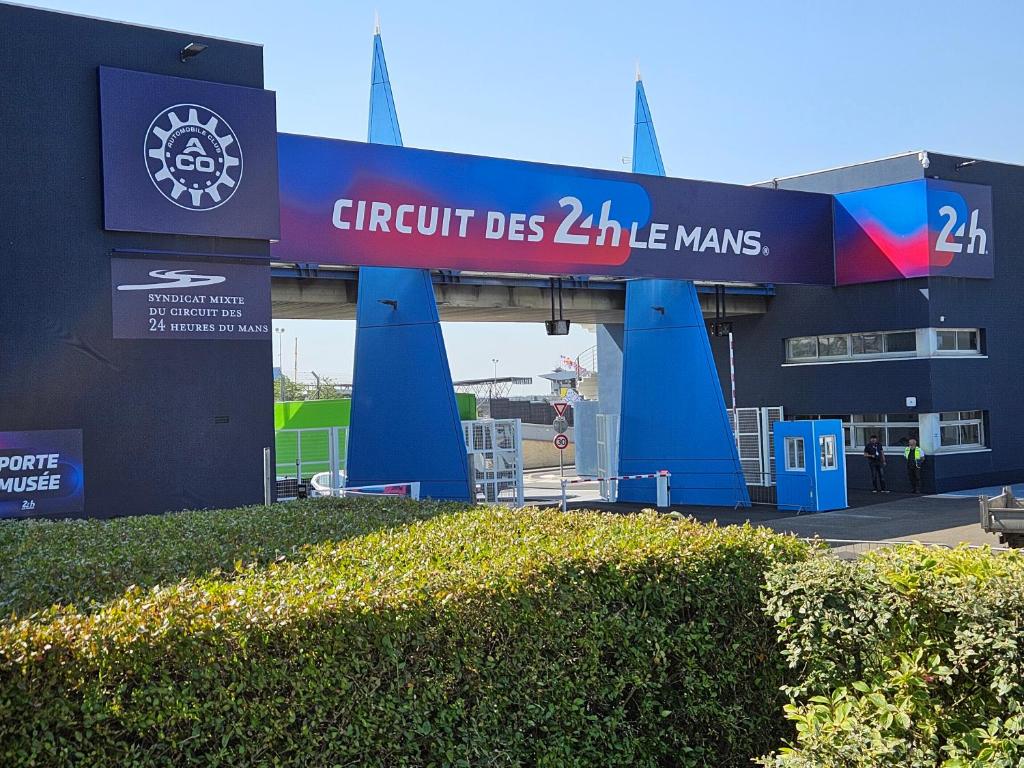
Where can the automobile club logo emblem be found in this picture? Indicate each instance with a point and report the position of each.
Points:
(193, 157)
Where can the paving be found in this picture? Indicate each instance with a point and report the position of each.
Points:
(947, 519)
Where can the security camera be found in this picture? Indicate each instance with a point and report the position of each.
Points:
(923, 158)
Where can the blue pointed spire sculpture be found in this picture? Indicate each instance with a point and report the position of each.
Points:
(405, 423)
(673, 412)
(646, 152)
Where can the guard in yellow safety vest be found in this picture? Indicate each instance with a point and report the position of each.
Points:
(915, 458)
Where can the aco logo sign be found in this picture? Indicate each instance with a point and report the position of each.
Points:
(188, 157)
(193, 157)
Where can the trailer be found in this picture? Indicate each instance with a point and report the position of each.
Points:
(1004, 515)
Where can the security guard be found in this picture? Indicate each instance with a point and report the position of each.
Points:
(915, 458)
(875, 454)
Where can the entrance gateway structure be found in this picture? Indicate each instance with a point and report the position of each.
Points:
(166, 179)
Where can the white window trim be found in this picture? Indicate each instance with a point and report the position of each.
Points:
(887, 359)
(802, 452)
(926, 343)
(980, 422)
(955, 352)
(822, 439)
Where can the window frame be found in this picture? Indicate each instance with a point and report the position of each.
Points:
(824, 454)
(957, 350)
(850, 354)
(960, 422)
(797, 442)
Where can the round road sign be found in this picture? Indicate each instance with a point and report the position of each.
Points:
(560, 425)
(561, 442)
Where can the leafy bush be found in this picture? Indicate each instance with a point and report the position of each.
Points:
(907, 657)
(86, 562)
(488, 637)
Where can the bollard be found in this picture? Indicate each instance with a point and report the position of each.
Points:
(664, 499)
(267, 477)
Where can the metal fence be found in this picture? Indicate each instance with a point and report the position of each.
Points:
(608, 455)
(494, 448)
(754, 432)
(302, 453)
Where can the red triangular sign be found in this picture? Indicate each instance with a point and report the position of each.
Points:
(560, 409)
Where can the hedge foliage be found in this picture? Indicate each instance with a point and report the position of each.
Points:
(86, 562)
(909, 657)
(486, 637)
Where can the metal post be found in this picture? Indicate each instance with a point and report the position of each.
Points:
(563, 482)
(561, 468)
(661, 483)
(266, 477)
(732, 376)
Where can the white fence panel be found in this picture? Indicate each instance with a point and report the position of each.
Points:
(608, 454)
(495, 451)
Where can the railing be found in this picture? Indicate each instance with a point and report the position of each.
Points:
(303, 453)
(586, 363)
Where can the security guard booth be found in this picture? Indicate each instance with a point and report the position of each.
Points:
(810, 467)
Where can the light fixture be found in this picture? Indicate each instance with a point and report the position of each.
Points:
(192, 50)
(557, 325)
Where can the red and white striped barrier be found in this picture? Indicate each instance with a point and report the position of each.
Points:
(663, 477)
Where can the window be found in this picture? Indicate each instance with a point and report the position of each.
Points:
(962, 429)
(900, 341)
(957, 429)
(827, 445)
(868, 343)
(833, 346)
(795, 454)
(894, 430)
(957, 341)
(803, 348)
(851, 346)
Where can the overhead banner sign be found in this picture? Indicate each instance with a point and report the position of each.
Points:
(357, 204)
(41, 472)
(187, 156)
(923, 228)
(171, 299)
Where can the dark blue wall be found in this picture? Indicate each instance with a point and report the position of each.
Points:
(994, 384)
(151, 412)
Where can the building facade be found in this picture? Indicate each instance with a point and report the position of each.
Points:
(938, 359)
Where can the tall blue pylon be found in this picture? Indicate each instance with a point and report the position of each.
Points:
(405, 423)
(673, 412)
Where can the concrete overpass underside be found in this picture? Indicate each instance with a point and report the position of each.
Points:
(321, 294)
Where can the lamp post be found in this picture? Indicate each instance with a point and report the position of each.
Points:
(280, 356)
(494, 379)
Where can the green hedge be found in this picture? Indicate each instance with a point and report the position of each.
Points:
(909, 657)
(487, 637)
(89, 561)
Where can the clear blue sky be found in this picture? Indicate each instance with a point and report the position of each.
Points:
(739, 91)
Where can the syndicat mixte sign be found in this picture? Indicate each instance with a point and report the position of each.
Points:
(158, 299)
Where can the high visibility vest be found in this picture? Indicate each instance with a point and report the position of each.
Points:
(918, 453)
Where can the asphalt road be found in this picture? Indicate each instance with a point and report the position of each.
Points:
(871, 517)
